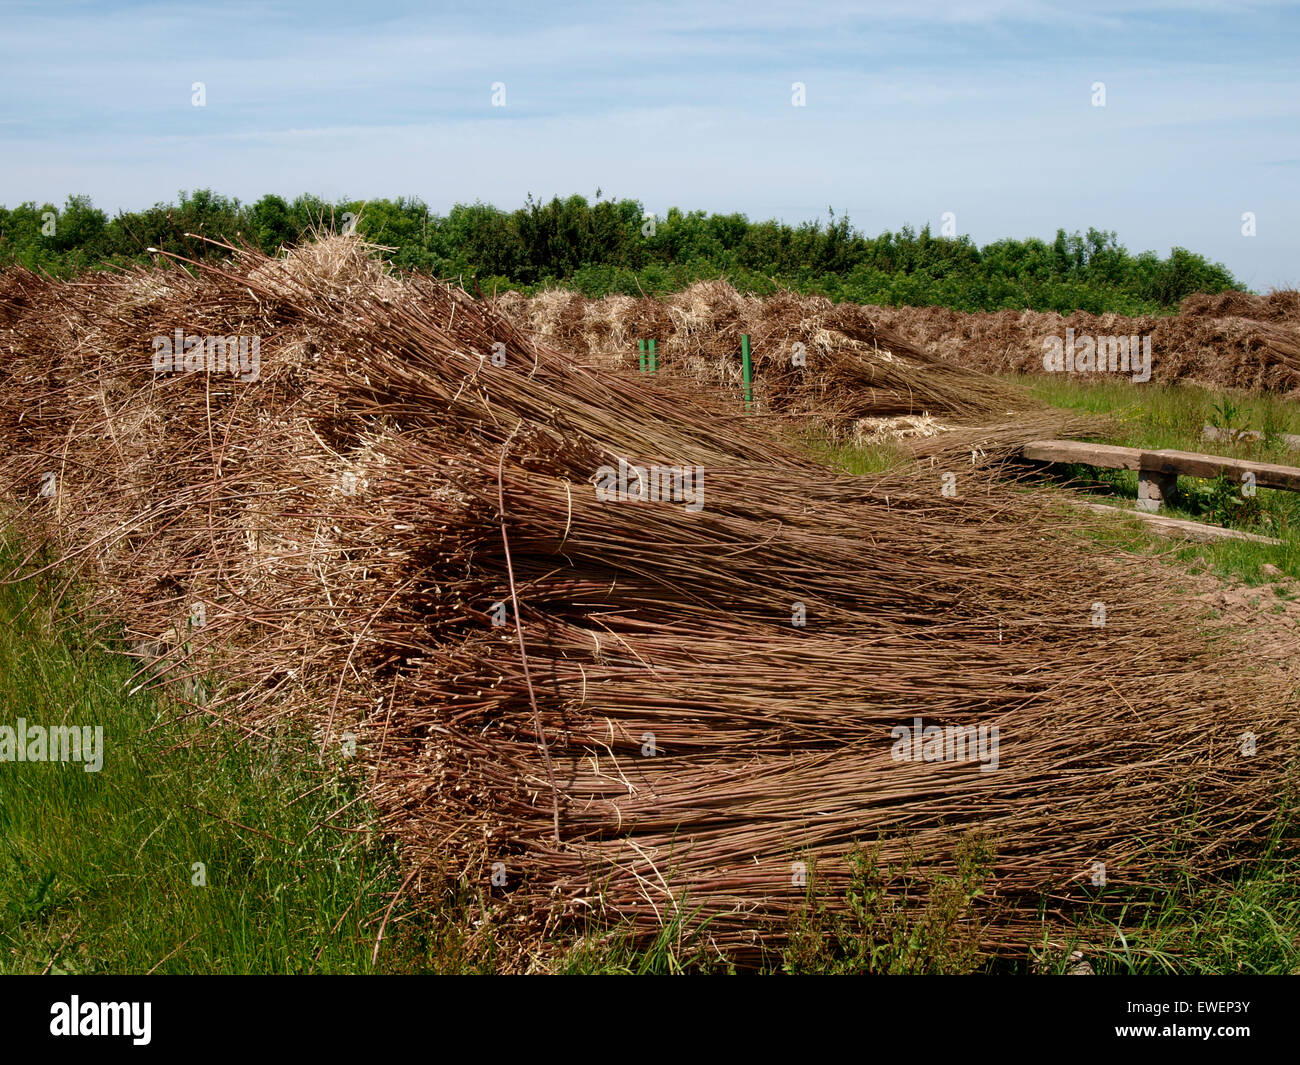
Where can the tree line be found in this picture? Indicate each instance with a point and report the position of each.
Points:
(610, 246)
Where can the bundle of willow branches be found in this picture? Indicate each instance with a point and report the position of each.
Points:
(593, 704)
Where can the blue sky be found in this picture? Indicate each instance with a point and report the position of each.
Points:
(982, 108)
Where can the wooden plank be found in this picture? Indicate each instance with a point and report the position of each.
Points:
(1168, 461)
(1107, 455)
(1178, 527)
(1192, 464)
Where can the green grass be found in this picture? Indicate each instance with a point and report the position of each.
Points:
(1155, 416)
(878, 929)
(858, 459)
(1249, 923)
(98, 870)
(1239, 560)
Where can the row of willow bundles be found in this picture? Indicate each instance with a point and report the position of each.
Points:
(830, 367)
(418, 526)
(927, 359)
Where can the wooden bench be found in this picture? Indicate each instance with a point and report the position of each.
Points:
(1158, 471)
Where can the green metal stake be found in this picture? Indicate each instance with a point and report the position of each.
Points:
(654, 358)
(640, 346)
(747, 370)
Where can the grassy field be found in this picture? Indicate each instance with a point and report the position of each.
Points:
(1170, 416)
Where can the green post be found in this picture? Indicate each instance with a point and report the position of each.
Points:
(747, 370)
(654, 358)
(640, 346)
